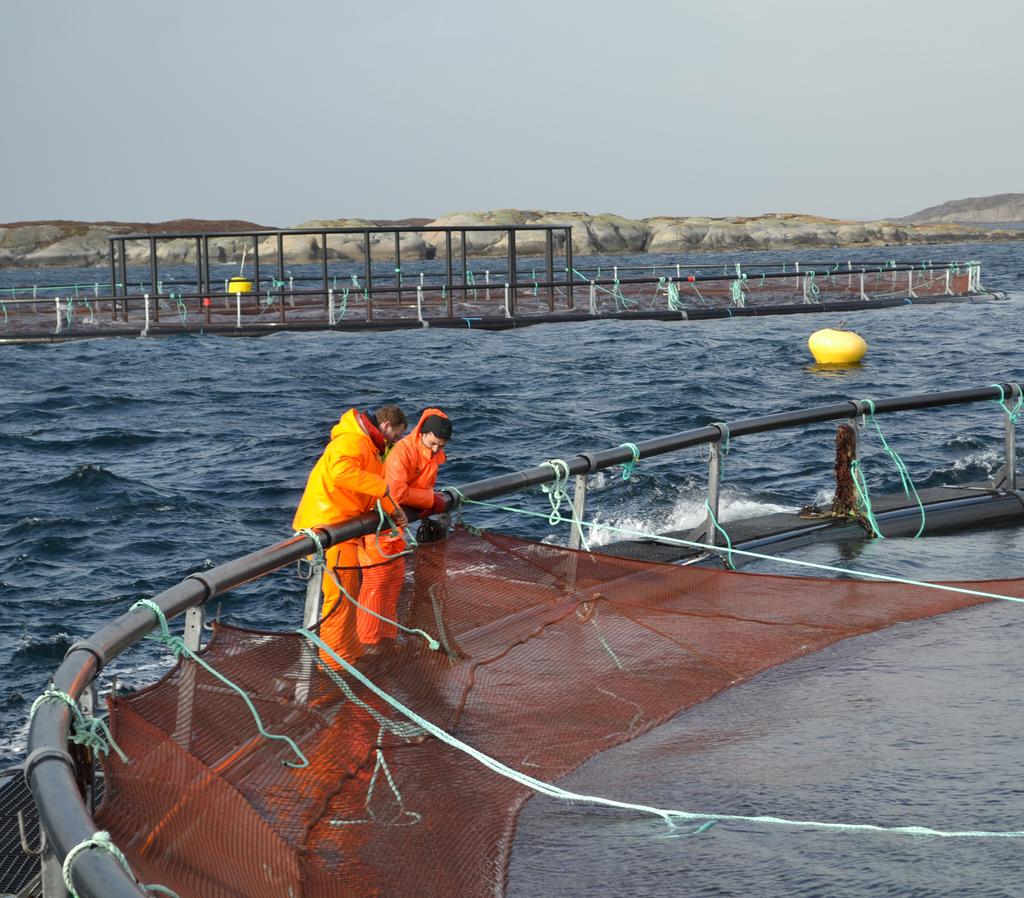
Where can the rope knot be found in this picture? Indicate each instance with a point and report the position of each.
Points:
(630, 466)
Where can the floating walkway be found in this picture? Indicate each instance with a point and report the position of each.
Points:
(454, 290)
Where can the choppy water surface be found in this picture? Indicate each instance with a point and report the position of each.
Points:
(129, 463)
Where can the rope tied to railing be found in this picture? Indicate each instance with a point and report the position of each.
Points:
(176, 645)
(728, 542)
(320, 557)
(1014, 413)
(909, 490)
(103, 841)
(89, 732)
(630, 466)
(556, 491)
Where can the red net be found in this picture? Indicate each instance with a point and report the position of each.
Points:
(548, 657)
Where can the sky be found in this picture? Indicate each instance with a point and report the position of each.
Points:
(283, 112)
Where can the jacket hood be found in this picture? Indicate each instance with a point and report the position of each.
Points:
(355, 422)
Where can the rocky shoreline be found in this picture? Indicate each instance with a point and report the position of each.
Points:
(70, 243)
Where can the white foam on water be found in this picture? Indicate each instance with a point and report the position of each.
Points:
(685, 514)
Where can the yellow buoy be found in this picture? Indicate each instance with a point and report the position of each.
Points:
(239, 285)
(836, 347)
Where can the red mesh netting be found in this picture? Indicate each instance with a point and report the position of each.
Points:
(549, 657)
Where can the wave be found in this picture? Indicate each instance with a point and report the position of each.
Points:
(685, 514)
(103, 439)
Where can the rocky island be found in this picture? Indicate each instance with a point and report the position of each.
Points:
(74, 243)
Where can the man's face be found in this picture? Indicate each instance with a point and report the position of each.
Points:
(392, 432)
(433, 442)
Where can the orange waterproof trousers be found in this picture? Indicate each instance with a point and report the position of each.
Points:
(339, 628)
(382, 584)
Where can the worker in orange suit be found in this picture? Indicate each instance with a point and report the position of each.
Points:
(411, 472)
(348, 480)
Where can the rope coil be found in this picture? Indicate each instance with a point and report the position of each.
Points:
(90, 732)
(630, 466)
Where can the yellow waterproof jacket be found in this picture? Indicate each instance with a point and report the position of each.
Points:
(348, 478)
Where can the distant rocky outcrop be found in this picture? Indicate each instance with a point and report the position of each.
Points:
(67, 243)
(1003, 207)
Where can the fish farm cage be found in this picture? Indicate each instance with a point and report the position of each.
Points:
(264, 765)
(361, 281)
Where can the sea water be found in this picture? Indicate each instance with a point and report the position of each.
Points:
(128, 464)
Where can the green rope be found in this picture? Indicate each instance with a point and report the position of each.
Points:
(103, 841)
(384, 519)
(909, 490)
(812, 288)
(90, 732)
(746, 553)
(382, 765)
(412, 631)
(1018, 407)
(669, 816)
(721, 529)
(320, 559)
(556, 490)
(177, 647)
(398, 728)
(864, 498)
(630, 466)
(736, 293)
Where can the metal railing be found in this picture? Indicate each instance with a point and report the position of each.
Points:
(49, 768)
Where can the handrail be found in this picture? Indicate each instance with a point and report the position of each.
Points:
(49, 769)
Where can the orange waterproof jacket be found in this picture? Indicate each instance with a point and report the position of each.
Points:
(411, 468)
(348, 478)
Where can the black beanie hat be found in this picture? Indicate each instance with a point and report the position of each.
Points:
(438, 425)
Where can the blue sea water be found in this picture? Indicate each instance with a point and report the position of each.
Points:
(128, 464)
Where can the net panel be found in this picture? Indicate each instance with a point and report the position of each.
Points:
(548, 657)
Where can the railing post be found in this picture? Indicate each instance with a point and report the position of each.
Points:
(145, 326)
(569, 265)
(330, 306)
(863, 295)
(398, 270)
(56, 303)
(714, 488)
(949, 292)
(1008, 480)
(579, 508)
(508, 301)
(419, 304)
(513, 263)
(238, 309)
(910, 284)
(195, 617)
(113, 279)
(311, 613)
(51, 874)
(549, 263)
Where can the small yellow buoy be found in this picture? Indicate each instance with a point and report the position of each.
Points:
(239, 285)
(836, 347)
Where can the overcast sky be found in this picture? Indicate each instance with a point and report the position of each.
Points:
(281, 111)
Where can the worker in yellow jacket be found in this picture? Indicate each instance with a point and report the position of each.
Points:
(347, 481)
